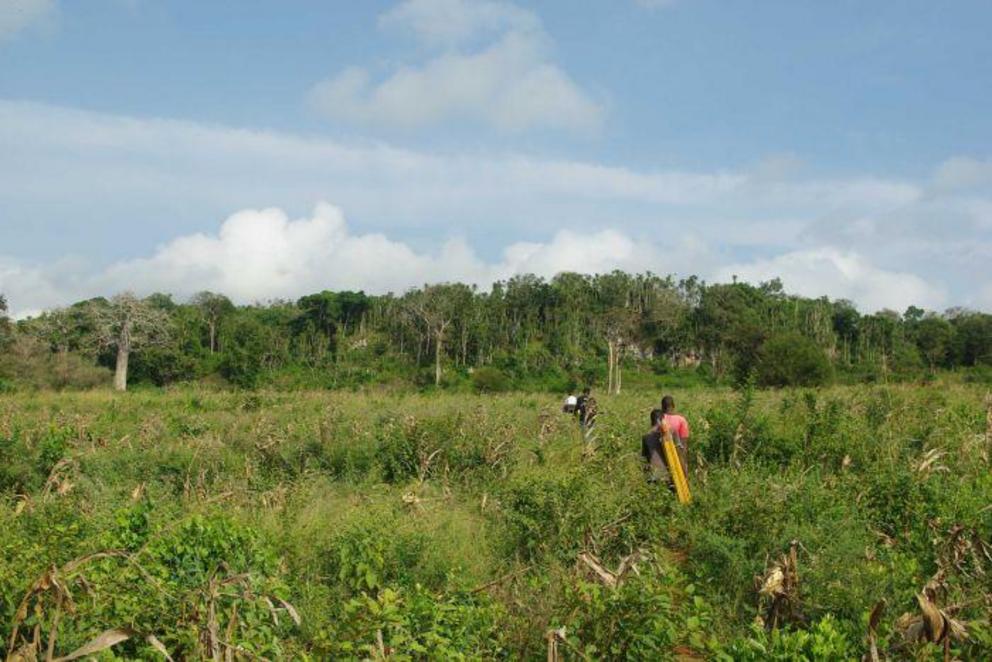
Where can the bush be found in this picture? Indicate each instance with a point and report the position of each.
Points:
(490, 380)
(791, 359)
(824, 641)
(248, 352)
(978, 375)
(24, 467)
(29, 362)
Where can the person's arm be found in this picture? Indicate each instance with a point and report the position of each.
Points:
(684, 429)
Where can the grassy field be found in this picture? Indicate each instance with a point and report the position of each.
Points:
(325, 525)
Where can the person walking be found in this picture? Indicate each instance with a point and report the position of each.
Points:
(679, 428)
(652, 453)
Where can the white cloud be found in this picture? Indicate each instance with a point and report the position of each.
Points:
(17, 15)
(111, 187)
(447, 23)
(508, 81)
(847, 275)
(262, 254)
(963, 173)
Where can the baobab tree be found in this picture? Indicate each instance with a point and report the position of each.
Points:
(126, 323)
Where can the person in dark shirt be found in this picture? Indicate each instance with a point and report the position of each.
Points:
(580, 405)
(585, 410)
(652, 452)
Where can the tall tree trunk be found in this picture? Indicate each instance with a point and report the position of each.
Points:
(120, 374)
(437, 360)
(617, 366)
(609, 366)
(213, 334)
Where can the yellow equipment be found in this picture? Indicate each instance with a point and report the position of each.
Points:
(675, 467)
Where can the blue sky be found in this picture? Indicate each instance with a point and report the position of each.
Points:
(147, 144)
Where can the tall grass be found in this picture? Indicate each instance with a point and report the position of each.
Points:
(437, 526)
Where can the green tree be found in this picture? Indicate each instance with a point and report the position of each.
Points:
(213, 307)
(728, 322)
(972, 342)
(791, 359)
(933, 337)
(846, 321)
(249, 350)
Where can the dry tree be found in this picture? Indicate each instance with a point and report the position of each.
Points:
(124, 324)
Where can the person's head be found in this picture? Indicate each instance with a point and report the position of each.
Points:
(656, 416)
(586, 391)
(668, 404)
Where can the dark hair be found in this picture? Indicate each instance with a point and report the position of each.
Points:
(668, 404)
(656, 416)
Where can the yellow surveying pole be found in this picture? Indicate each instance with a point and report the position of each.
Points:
(675, 467)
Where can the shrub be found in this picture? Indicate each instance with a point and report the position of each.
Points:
(790, 359)
(29, 362)
(488, 379)
(824, 641)
(416, 624)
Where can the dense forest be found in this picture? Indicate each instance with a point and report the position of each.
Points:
(525, 333)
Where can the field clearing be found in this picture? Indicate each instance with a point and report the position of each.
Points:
(318, 525)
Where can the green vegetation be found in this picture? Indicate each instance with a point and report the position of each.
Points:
(528, 334)
(316, 525)
(791, 359)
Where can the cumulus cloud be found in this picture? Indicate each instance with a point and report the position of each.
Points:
(17, 15)
(262, 254)
(963, 173)
(845, 275)
(493, 67)
(110, 188)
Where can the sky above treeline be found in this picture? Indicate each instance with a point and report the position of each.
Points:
(272, 149)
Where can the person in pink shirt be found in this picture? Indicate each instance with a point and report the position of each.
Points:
(679, 428)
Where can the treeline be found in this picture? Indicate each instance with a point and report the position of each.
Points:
(526, 332)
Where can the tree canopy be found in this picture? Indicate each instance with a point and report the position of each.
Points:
(536, 332)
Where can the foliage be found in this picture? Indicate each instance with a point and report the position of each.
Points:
(490, 380)
(613, 330)
(790, 359)
(823, 641)
(250, 348)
